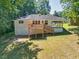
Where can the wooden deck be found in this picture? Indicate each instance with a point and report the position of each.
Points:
(39, 29)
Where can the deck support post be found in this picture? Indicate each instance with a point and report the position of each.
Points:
(42, 35)
(35, 35)
(28, 36)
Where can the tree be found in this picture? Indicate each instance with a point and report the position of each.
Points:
(58, 14)
(13, 9)
(8, 12)
(42, 7)
(55, 14)
(28, 8)
(71, 9)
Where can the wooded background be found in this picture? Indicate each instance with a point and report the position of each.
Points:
(13, 9)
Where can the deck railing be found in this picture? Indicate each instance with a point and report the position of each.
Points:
(39, 29)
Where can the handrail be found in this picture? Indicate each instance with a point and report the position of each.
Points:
(39, 28)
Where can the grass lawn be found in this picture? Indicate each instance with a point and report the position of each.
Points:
(53, 47)
(66, 26)
(59, 47)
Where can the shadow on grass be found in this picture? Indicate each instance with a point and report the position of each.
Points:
(40, 37)
(65, 32)
(18, 50)
(75, 30)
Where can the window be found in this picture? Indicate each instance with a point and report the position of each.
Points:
(21, 22)
(56, 23)
(38, 22)
(33, 22)
(46, 22)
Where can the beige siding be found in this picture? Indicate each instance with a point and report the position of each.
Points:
(49, 23)
(21, 29)
(55, 27)
(58, 30)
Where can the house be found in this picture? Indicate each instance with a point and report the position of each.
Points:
(38, 24)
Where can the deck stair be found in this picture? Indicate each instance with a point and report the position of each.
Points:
(48, 29)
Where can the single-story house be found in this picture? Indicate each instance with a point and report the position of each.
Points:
(38, 24)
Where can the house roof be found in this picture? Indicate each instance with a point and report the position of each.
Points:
(42, 17)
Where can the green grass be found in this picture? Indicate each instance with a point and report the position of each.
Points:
(9, 49)
(66, 26)
(62, 46)
(52, 47)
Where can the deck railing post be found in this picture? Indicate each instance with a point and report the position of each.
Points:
(42, 35)
(35, 35)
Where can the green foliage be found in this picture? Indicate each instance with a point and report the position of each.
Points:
(71, 8)
(18, 50)
(12, 9)
(43, 7)
(8, 12)
(58, 14)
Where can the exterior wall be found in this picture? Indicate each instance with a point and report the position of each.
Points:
(56, 30)
(21, 29)
(49, 23)
(54, 25)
